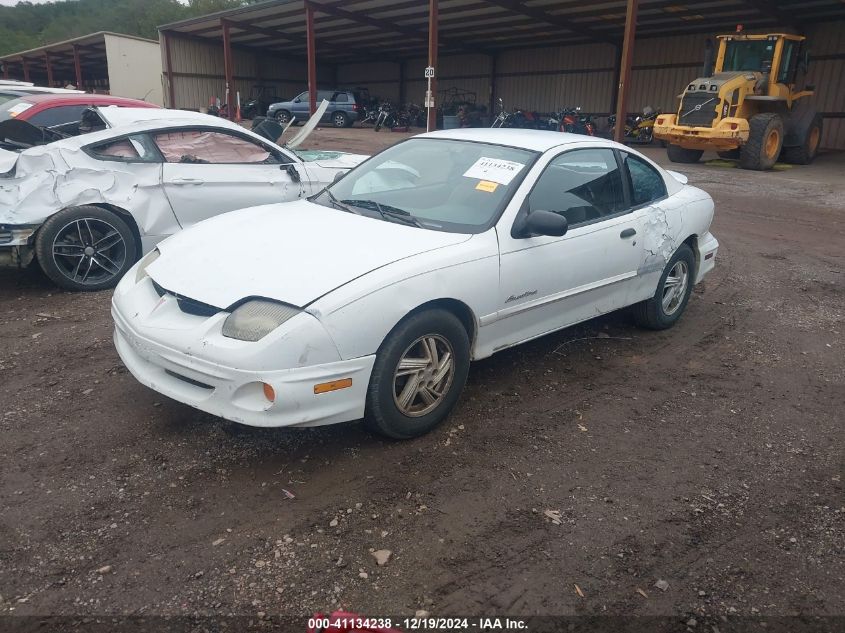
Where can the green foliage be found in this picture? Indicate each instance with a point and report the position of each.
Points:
(28, 25)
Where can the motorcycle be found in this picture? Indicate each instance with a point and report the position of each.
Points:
(638, 129)
(572, 121)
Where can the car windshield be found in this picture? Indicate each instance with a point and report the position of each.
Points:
(753, 55)
(440, 184)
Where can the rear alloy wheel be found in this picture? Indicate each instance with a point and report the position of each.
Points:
(85, 248)
(339, 119)
(418, 375)
(283, 117)
(765, 140)
(678, 154)
(673, 292)
(805, 153)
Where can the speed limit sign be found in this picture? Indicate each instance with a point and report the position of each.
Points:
(429, 72)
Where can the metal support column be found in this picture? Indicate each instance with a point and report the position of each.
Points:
(433, 27)
(25, 63)
(312, 58)
(227, 66)
(77, 66)
(494, 59)
(625, 69)
(49, 65)
(168, 71)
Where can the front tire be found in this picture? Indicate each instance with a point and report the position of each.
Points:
(670, 300)
(85, 248)
(418, 375)
(765, 140)
(678, 154)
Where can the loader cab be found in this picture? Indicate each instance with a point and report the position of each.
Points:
(777, 56)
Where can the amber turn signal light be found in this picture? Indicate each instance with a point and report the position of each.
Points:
(334, 385)
(269, 392)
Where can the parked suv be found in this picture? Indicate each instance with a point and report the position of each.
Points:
(345, 107)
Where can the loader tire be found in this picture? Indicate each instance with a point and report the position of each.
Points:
(805, 153)
(731, 154)
(765, 140)
(678, 154)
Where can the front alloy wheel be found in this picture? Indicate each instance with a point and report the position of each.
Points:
(423, 375)
(419, 372)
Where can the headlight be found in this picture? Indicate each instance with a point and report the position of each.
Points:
(255, 319)
(148, 259)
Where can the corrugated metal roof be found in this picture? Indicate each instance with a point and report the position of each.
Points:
(399, 28)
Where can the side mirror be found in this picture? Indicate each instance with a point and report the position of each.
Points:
(297, 100)
(542, 223)
(291, 170)
(338, 176)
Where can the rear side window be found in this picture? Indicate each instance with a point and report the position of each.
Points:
(647, 184)
(341, 97)
(205, 146)
(583, 185)
(59, 115)
(132, 149)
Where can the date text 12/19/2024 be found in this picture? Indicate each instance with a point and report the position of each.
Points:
(416, 624)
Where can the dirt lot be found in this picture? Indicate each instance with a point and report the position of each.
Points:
(708, 456)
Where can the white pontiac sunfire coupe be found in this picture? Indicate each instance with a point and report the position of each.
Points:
(369, 299)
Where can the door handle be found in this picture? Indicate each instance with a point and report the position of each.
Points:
(187, 181)
(627, 233)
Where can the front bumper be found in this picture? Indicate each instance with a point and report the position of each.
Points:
(728, 133)
(16, 244)
(180, 358)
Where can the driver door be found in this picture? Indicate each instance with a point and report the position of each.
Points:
(208, 172)
(547, 283)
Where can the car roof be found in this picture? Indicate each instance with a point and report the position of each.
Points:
(95, 99)
(535, 140)
(120, 117)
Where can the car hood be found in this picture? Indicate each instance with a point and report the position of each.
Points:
(331, 159)
(292, 252)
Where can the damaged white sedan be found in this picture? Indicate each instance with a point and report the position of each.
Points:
(370, 299)
(87, 207)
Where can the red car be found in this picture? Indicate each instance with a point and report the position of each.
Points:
(61, 112)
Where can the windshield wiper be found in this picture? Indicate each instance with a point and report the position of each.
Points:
(340, 205)
(386, 211)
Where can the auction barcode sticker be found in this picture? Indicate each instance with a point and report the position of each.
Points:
(494, 170)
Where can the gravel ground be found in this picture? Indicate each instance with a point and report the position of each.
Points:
(692, 473)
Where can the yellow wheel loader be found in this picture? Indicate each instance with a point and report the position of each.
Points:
(749, 107)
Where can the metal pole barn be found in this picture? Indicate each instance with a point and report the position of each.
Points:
(625, 69)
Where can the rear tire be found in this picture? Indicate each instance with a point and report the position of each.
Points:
(678, 154)
(670, 300)
(339, 119)
(283, 117)
(85, 248)
(731, 154)
(805, 153)
(407, 395)
(765, 140)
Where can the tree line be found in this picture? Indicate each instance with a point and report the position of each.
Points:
(27, 25)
